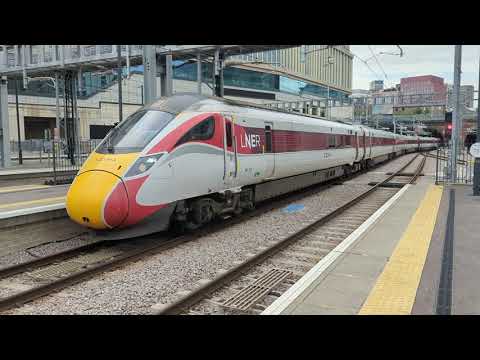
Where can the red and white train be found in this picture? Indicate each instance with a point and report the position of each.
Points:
(188, 158)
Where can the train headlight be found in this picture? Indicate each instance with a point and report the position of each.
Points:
(143, 164)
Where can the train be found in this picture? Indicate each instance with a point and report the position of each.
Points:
(187, 159)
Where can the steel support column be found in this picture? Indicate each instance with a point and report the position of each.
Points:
(165, 70)
(4, 60)
(119, 74)
(168, 75)
(476, 168)
(57, 107)
(76, 119)
(455, 113)
(4, 124)
(218, 73)
(24, 66)
(149, 74)
(20, 154)
(199, 73)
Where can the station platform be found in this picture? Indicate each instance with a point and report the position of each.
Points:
(27, 203)
(418, 254)
(19, 172)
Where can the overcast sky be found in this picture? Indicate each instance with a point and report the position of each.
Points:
(417, 60)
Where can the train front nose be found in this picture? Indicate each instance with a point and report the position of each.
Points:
(97, 199)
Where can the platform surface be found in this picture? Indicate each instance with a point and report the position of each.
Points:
(367, 277)
(396, 265)
(465, 289)
(30, 196)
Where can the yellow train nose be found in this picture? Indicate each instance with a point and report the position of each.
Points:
(97, 199)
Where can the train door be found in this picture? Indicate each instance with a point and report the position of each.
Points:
(364, 143)
(230, 153)
(356, 145)
(268, 154)
(370, 144)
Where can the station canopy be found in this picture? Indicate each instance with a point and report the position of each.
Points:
(183, 52)
(103, 57)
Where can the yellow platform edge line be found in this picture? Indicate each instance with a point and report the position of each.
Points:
(9, 189)
(396, 287)
(33, 202)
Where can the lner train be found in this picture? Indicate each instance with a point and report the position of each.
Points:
(187, 159)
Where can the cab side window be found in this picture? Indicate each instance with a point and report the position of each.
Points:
(202, 131)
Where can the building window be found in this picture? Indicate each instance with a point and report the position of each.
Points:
(250, 79)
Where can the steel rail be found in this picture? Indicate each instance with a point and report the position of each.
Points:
(131, 256)
(418, 171)
(43, 290)
(203, 291)
(46, 260)
(62, 255)
(265, 207)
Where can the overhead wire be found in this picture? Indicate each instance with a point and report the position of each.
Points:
(365, 62)
(391, 53)
(378, 62)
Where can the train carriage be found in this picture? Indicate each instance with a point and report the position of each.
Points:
(186, 159)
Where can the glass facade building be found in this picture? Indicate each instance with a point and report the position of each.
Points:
(330, 65)
(315, 71)
(258, 80)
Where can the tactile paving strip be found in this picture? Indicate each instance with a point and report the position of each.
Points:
(250, 295)
(395, 289)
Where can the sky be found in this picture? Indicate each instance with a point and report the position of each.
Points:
(416, 60)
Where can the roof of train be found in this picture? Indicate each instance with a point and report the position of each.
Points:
(179, 102)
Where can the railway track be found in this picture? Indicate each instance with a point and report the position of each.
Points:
(250, 286)
(55, 272)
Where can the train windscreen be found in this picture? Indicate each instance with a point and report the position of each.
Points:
(135, 132)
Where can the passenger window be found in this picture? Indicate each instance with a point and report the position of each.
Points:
(268, 139)
(228, 131)
(201, 131)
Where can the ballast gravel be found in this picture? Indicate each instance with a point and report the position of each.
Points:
(136, 287)
(27, 242)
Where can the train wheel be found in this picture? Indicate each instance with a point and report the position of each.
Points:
(203, 211)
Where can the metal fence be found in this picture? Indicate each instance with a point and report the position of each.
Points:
(68, 157)
(32, 145)
(464, 166)
(65, 158)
